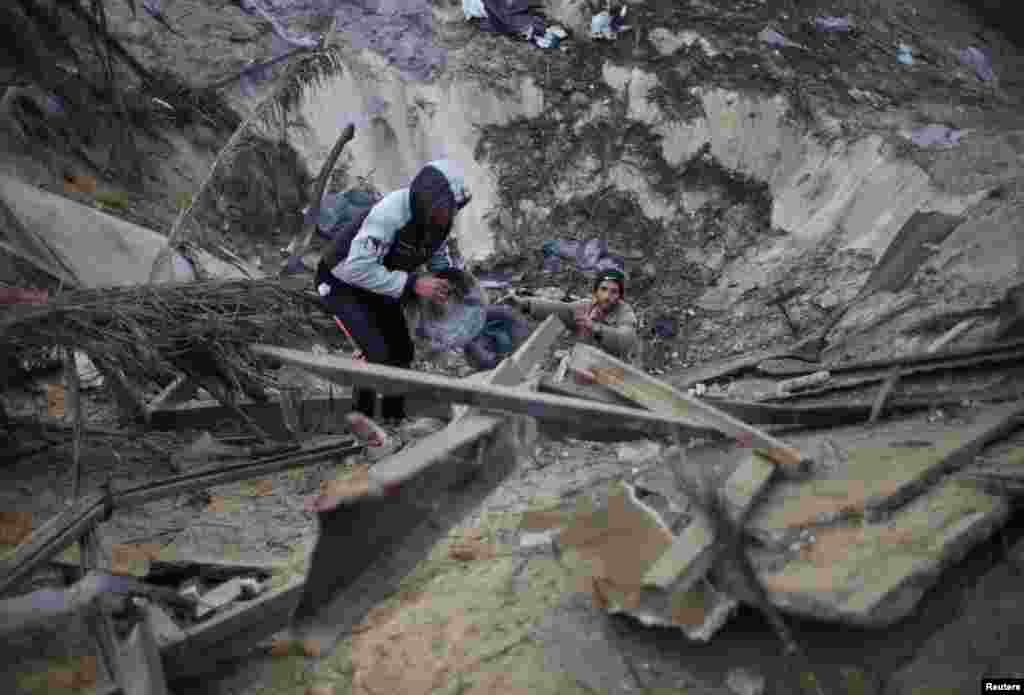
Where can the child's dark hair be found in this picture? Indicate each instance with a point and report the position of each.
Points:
(613, 275)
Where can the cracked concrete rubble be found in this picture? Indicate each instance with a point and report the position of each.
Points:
(759, 191)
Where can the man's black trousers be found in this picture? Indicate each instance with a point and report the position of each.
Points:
(378, 325)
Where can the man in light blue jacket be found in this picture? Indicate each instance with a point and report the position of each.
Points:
(374, 263)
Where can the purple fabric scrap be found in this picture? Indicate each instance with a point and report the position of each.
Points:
(976, 59)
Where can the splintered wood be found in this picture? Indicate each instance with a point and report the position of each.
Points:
(656, 395)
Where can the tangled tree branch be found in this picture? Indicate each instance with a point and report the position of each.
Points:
(312, 70)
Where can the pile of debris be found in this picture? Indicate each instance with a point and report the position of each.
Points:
(856, 536)
(155, 332)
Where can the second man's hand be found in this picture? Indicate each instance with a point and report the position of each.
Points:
(432, 288)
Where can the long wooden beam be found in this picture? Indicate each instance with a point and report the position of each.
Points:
(850, 379)
(960, 356)
(831, 415)
(541, 406)
(471, 425)
(636, 385)
(51, 538)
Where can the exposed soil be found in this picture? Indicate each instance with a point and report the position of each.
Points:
(460, 614)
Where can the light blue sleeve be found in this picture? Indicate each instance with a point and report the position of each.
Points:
(364, 266)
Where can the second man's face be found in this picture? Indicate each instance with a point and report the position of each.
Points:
(607, 294)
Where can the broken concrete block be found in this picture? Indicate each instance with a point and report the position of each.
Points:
(639, 453)
(687, 559)
(873, 575)
(621, 542)
(538, 539)
(692, 554)
(219, 596)
(882, 467)
(205, 449)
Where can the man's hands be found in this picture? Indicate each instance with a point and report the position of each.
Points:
(585, 317)
(432, 288)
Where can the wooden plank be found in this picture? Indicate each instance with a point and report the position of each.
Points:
(233, 631)
(101, 625)
(469, 425)
(883, 395)
(728, 367)
(430, 450)
(952, 462)
(532, 352)
(592, 392)
(537, 405)
(954, 357)
(305, 455)
(51, 538)
(830, 415)
(652, 393)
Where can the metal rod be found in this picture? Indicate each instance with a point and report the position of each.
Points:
(72, 524)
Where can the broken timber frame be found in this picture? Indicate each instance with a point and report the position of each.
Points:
(83, 515)
(469, 426)
(693, 552)
(631, 383)
(972, 356)
(541, 406)
(783, 414)
(252, 621)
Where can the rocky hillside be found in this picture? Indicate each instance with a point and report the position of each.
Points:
(753, 180)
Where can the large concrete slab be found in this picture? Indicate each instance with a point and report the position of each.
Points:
(865, 470)
(874, 574)
(102, 250)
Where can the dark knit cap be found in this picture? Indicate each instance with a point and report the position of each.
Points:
(614, 276)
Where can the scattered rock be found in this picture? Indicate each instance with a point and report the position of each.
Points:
(577, 641)
(742, 681)
(639, 453)
(219, 596)
(420, 427)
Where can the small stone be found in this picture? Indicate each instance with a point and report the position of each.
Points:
(282, 647)
(251, 587)
(312, 648)
(218, 597)
(743, 681)
(639, 453)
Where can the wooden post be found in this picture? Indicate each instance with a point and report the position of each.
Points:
(99, 622)
(74, 386)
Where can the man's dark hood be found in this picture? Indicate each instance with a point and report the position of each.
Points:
(430, 190)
